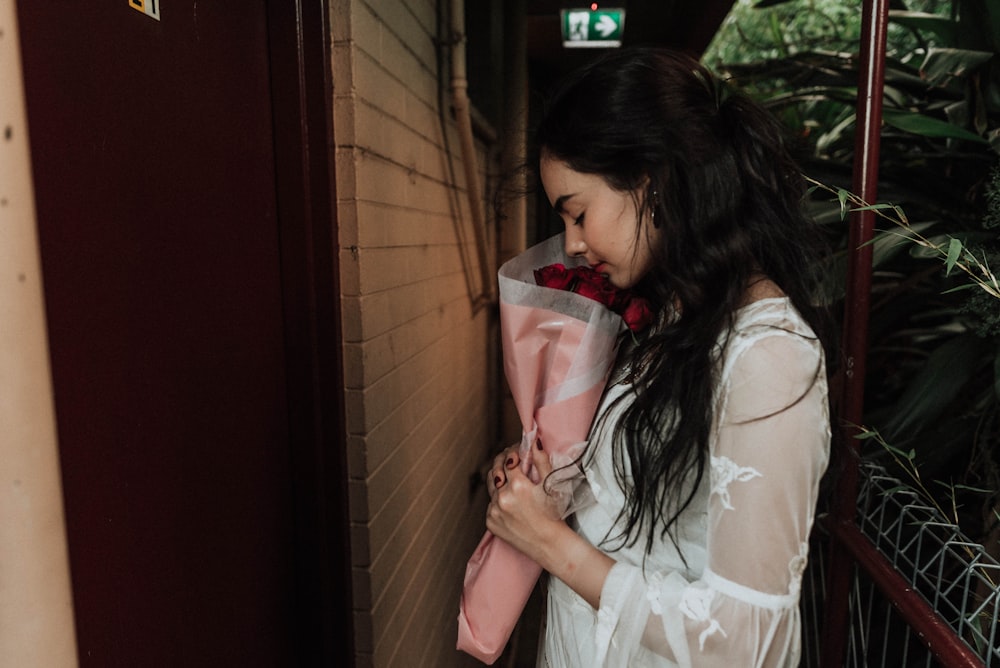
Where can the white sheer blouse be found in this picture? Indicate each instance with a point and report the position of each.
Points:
(732, 600)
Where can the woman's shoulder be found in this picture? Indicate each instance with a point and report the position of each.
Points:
(771, 331)
(765, 305)
(771, 359)
(772, 314)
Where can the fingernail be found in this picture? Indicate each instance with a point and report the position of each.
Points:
(510, 462)
(538, 444)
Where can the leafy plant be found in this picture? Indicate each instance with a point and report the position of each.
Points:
(933, 379)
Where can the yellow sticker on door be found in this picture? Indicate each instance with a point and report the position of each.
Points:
(147, 7)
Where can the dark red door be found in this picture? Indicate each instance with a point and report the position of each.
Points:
(154, 154)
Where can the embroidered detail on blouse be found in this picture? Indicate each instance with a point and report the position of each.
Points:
(727, 471)
(696, 605)
(653, 594)
(796, 567)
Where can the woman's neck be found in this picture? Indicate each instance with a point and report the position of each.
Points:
(760, 287)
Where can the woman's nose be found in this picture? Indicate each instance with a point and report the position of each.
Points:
(574, 244)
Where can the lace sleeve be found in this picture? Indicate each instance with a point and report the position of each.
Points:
(768, 452)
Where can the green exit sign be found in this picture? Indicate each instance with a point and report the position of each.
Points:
(593, 27)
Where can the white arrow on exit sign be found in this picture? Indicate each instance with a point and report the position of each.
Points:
(606, 26)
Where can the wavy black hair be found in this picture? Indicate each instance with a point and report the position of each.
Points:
(727, 195)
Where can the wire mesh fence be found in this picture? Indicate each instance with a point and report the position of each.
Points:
(954, 575)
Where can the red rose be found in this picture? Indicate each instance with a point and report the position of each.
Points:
(637, 314)
(554, 276)
(595, 286)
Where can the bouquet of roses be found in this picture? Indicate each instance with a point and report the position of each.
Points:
(583, 280)
(560, 323)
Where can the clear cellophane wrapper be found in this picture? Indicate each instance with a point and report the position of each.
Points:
(558, 350)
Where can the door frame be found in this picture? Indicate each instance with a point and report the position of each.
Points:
(302, 99)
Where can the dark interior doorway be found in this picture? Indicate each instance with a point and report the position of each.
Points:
(186, 229)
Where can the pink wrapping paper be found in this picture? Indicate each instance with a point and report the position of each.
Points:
(558, 349)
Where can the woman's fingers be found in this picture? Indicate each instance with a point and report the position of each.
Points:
(540, 458)
(506, 461)
(512, 461)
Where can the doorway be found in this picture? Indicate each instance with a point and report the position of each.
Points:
(186, 229)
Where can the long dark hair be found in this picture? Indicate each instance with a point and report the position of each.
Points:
(727, 195)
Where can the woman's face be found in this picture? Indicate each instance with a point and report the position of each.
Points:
(600, 222)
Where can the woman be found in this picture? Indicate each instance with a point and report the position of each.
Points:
(706, 455)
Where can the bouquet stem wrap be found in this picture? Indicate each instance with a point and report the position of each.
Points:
(558, 349)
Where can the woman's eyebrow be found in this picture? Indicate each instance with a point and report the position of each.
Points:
(560, 201)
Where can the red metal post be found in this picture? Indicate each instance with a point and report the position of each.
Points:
(871, 76)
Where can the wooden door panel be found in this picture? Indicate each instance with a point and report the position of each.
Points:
(153, 155)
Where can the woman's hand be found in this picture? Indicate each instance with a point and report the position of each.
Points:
(521, 512)
(524, 515)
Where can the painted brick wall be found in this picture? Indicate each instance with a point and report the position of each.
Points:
(420, 368)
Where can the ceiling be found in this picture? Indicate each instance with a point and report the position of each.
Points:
(688, 25)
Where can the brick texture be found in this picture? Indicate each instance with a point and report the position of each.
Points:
(420, 366)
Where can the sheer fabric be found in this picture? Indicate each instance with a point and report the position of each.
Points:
(729, 596)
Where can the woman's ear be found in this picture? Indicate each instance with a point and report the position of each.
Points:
(651, 200)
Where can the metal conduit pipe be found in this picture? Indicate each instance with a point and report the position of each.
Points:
(463, 118)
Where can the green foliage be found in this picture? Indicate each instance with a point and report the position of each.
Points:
(763, 30)
(933, 369)
(758, 30)
(992, 218)
(982, 311)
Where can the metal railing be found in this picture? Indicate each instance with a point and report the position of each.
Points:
(924, 594)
